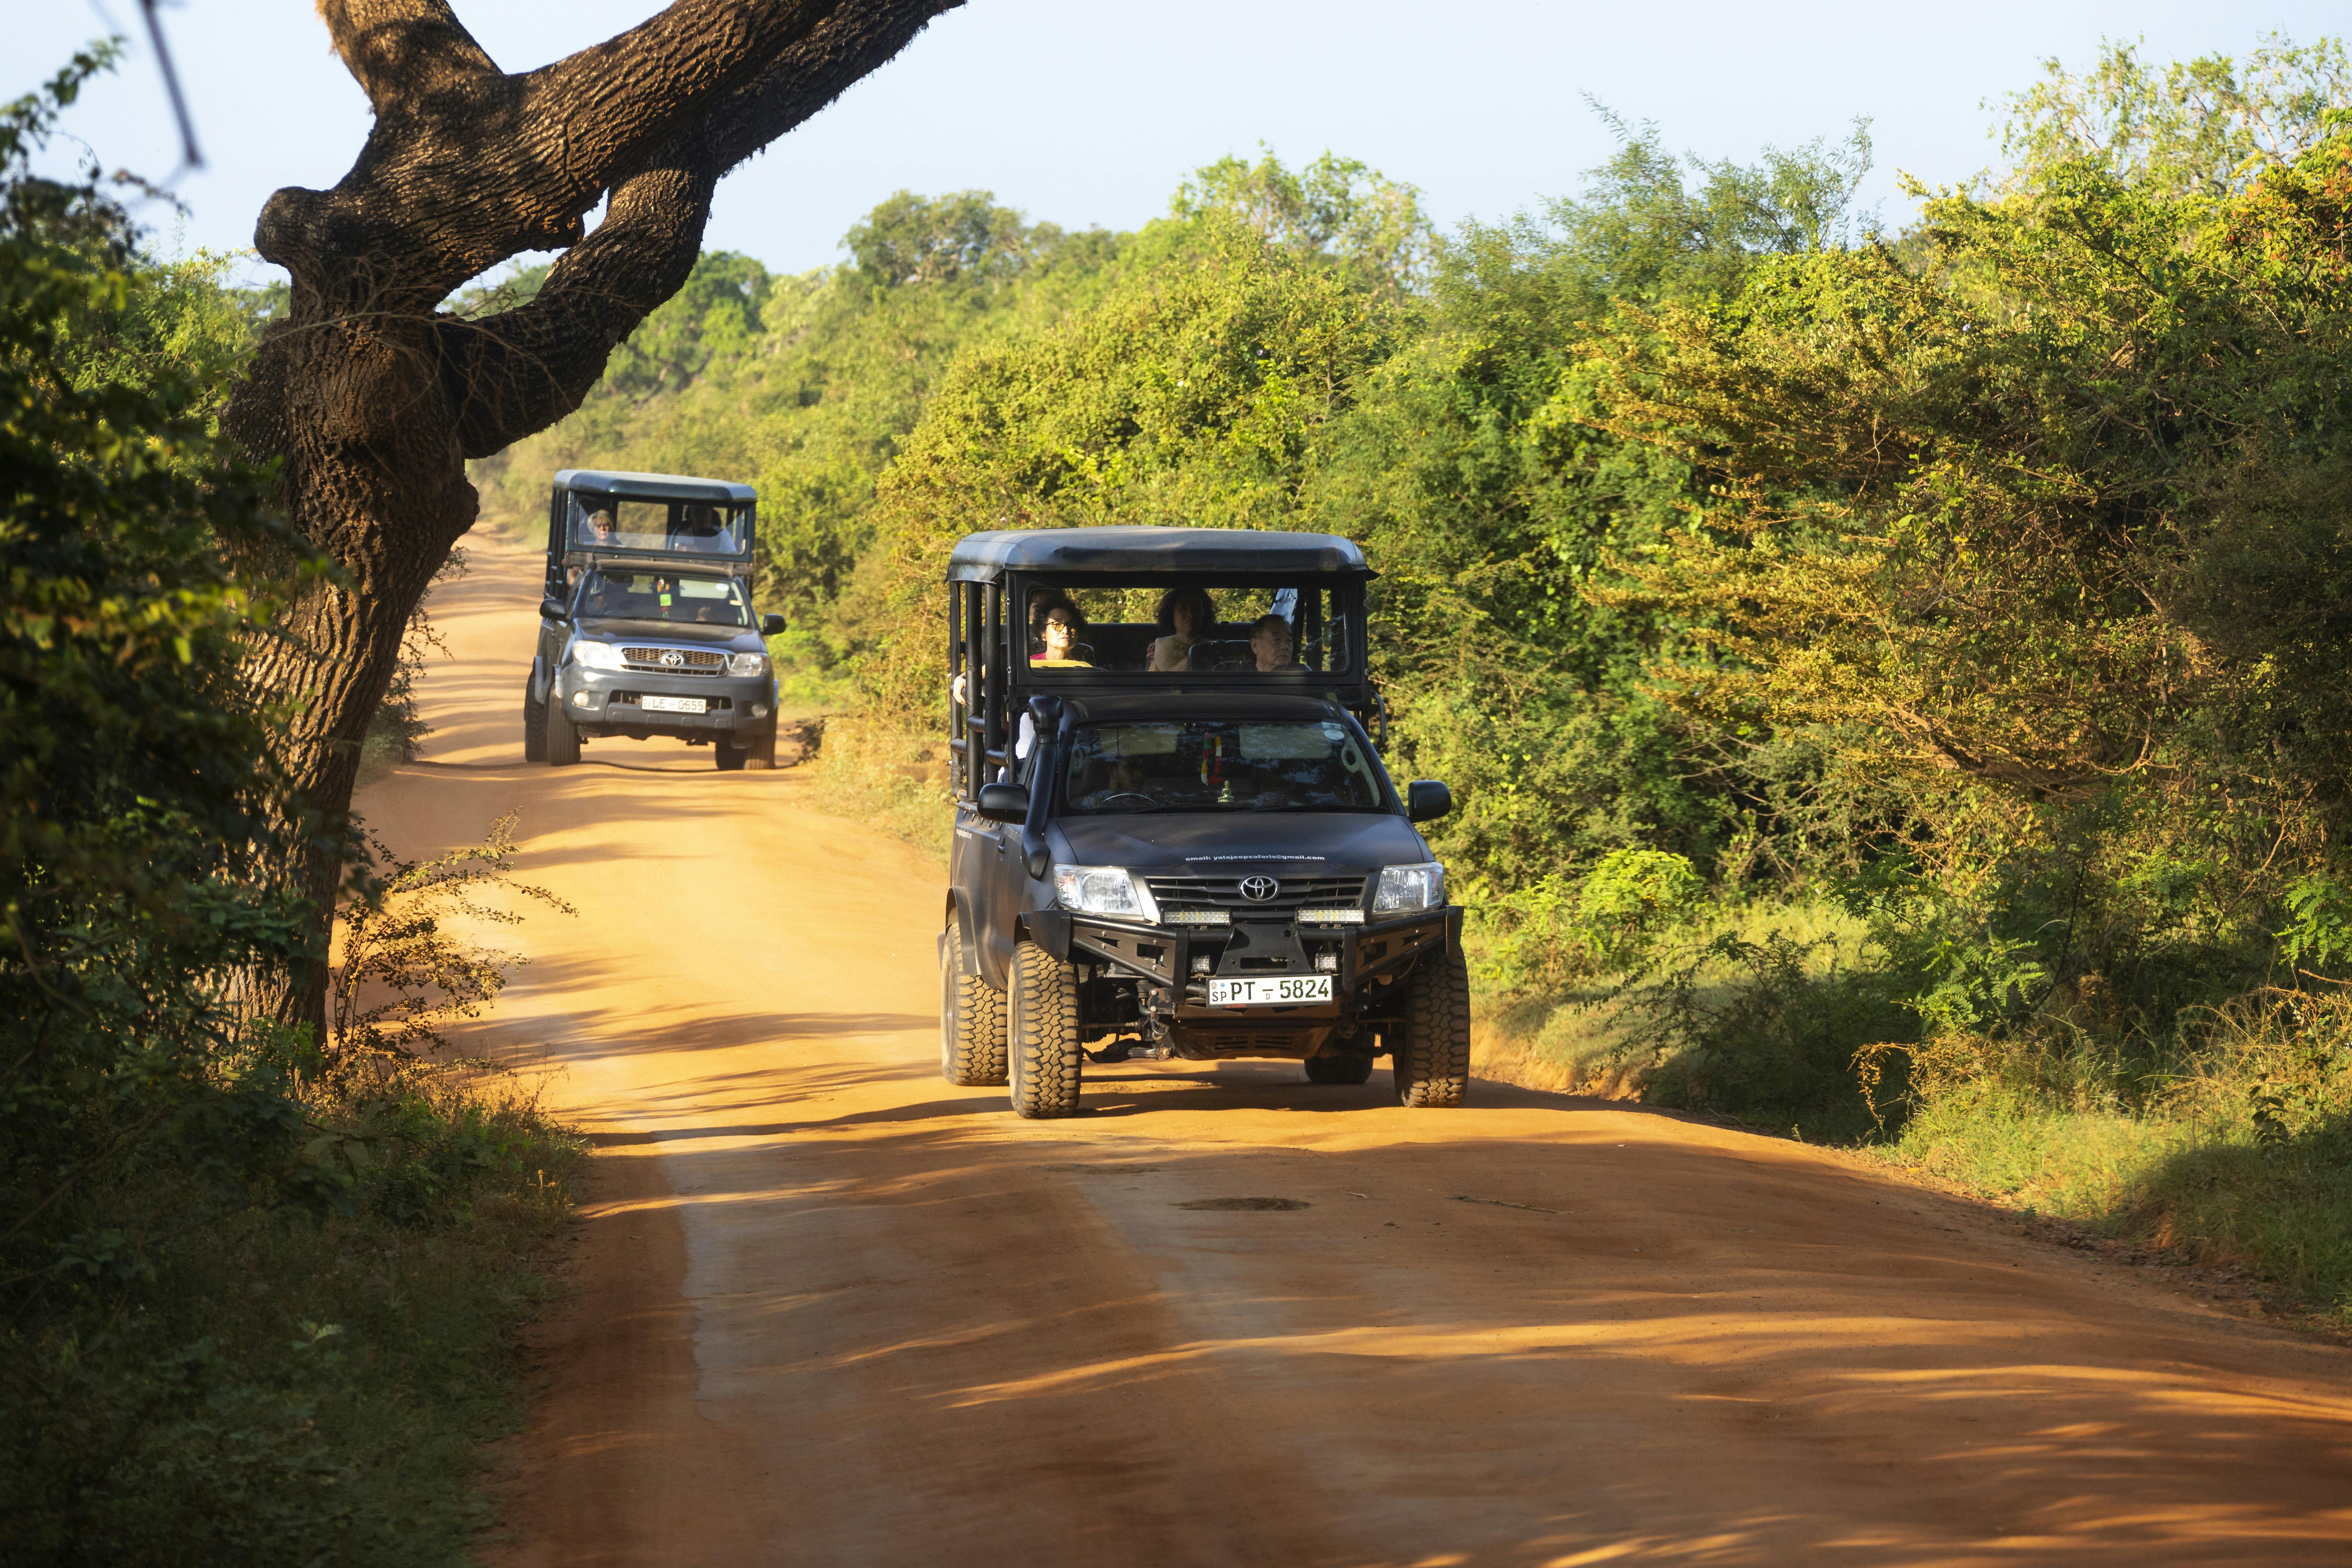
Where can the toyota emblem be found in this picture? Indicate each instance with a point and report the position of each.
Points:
(1258, 889)
(671, 659)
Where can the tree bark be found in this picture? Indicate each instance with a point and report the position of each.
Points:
(371, 399)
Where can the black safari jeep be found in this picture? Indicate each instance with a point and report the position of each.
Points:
(646, 626)
(1173, 835)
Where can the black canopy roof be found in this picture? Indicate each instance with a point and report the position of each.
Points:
(1130, 551)
(654, 487)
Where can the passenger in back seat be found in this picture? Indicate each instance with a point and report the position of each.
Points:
(1186, 615)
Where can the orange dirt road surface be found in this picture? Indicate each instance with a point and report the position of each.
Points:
(831, 1310)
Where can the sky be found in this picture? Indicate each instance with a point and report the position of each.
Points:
(1087, 114)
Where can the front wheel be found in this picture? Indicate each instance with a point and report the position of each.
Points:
(971, 1019)
(1041, 1029)
(1431, 1057)
(763, 754)
(562, 738)
(534, 728)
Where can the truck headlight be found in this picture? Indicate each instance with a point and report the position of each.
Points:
(589, 654)
(1104, 890)
(1405, 888)
(747, 664)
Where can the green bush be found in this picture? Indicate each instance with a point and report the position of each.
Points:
(256, 1295)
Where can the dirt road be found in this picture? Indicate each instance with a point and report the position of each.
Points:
(835, 1311)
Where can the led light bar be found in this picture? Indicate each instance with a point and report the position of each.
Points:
(1195, 918)
(1332, 917)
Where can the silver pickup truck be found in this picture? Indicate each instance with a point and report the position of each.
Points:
(645, 621)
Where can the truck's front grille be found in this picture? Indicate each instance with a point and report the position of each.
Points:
(1225, 893)
(675, 660)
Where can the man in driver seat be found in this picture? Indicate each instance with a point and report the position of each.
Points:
(1125, 779)
(1270, 645)
(699, 529)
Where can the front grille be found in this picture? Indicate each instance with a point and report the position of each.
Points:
(1225, 893)
(689, 661)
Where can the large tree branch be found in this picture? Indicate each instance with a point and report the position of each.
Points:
(465, 166)
(523, 369)
(403, 50)
(614, 104)
(821, 67)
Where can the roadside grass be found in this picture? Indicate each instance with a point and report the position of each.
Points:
(1746, 1010)
(892, 779)
(2231, 1148)
(228, 1376)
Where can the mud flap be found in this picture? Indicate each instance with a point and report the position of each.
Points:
(968, 948)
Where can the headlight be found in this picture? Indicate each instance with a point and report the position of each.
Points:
(1104, 890)
(1405, 888)
(589, 654)
(747, 664)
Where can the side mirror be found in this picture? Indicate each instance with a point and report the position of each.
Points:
(772, 626)
(1003, 803)
(1426, 800)
(552, 608)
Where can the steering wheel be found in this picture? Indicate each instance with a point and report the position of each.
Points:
(1127, 794)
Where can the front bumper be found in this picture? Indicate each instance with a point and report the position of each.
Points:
(1370, 959)
(612, 702)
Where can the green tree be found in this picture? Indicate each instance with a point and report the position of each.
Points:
(2040, 517)
(135, 790)
(2203, 126)
(1476, 468)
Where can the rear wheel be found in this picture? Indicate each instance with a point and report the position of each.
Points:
(1042, 1054)
(1348, 1066)
(534, 728)
(971, 1019)
(729, 756)
(1431, 1059)
(562, 738)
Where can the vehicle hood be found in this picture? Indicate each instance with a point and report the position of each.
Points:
(682, 634)
(1214, 843)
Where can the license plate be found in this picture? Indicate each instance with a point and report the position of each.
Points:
(676, 704)
(1276, 991)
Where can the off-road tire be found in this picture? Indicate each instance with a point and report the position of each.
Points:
(1430, 1061)
(562, 738)
(763, 754)
(971, 1019)
(1348, 1066)
(1043, 1053)
(729, 757)
(534, 728)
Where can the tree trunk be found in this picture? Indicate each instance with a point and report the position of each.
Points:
(373, 400)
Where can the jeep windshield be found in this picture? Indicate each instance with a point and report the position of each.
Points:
(671, 596)
(1311, 765)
